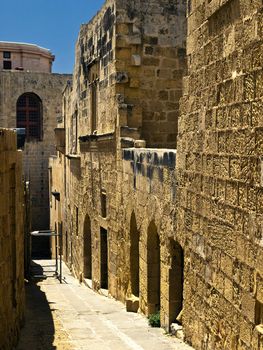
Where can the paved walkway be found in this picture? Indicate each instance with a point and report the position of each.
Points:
(71, 316)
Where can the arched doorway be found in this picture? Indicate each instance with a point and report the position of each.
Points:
(153, 269)
(87, 245)
(29, 115)
(134, 256)
(176, 281)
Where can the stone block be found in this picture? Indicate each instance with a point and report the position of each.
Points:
(136, 60)
(132, 304)
(177, 331)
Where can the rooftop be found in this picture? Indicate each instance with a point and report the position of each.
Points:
(24, 46)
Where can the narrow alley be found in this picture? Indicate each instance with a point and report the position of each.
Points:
(70, 316)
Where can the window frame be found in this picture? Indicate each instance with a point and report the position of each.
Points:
(23, 110)
(7, 55)
(9, 63)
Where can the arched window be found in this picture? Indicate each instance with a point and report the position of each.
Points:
(28, 115)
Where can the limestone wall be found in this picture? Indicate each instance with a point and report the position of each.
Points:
(147, 197)
(150, 51)
(56, 198)
(12, 301)
(48, 87)
(130, 60)
(119, 202)
(220, 175)
(139, 186)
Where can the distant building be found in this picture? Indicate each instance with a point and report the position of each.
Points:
(31, 99)
(25, 57)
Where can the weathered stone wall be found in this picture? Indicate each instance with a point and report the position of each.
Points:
(48, 87)
(11, 241)
(95, 72)
(140, 186)
(146, 196)
(132, 56)
(126, 86)
(150, 51)
(56, 197)
(220, 175)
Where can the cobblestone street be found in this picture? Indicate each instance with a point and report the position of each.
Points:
(71, 316)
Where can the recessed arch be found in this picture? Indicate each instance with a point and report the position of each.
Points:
(134, 256)
(153, 269)
(29, 115)
(87, 248)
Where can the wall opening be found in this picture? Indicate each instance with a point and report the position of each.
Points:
(93, 79)
(7, 65)
(29, 115)
(87, 248)
(103, 258)
(77, 220)
(258, 313)
(103, 204)
(134, 256)
(176, 282)
(66, 245)
(153, 269)
(94, 106)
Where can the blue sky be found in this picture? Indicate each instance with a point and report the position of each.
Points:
(53, 24)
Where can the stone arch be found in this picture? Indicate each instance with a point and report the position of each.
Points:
(29, 115)
(153, 269)
(87, 248)
(134, 256)
(176, 281)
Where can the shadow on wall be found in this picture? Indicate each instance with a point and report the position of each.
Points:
(39, 329)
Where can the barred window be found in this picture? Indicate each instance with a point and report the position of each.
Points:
(7, 54)
(29, 108)
(7, 65)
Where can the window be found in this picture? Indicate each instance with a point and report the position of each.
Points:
(103, 204)
(77, 221)
(29, 109)
(7, 54)
(94, 103)
(7, 65)
(93, 80)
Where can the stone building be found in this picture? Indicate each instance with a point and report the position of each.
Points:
(11, 240)
(219, 172)
(25, 57)
(30, 97)
(163, 227)
(112, 198)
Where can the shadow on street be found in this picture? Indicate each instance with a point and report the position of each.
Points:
(39, 330)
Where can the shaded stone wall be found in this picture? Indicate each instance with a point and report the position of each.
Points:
(48, 87)
(12, 301)
(219, 175)
(146, 191)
